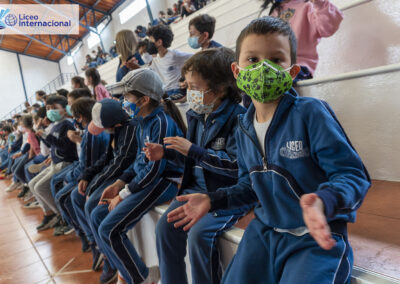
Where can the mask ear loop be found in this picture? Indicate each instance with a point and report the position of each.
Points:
(276, 69)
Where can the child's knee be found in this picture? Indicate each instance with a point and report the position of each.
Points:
(163, 228)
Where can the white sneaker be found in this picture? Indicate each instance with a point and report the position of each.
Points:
(13, 186)
(153, 277)
(32, 205)
(28, 196)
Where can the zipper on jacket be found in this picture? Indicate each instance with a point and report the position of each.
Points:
(264, 160)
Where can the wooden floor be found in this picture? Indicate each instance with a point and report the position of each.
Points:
(31, 257)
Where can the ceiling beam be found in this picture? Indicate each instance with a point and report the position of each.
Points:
(89, 7)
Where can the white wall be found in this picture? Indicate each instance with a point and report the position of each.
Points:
(37, 73)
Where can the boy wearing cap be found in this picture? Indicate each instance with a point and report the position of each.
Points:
(106, 115)
(145, 183)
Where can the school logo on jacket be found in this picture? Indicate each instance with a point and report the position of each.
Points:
(218, 144)
(294, 150)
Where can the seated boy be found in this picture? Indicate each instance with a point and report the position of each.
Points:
(168, 62)
(63, 153)
(201, 31)
(295, 158)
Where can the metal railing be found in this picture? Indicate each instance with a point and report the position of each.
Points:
(49, 88)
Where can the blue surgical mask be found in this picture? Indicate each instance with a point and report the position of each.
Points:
(131, 108)
(193, 42)
(142, 35)
(54, 115)
(77, 124)
(68, 108)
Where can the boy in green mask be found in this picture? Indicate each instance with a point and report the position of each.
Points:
(63, 153)
(294, 157)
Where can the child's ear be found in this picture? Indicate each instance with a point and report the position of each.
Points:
(235, 69)
(294, 71)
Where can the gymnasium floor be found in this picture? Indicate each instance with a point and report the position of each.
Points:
(30, 257)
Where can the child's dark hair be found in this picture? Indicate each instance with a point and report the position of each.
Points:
(94, 75)
(275, 5)
(79, 81)
(41, 112)
(62, 92)
(56, 99)
(204, 23)
(162, 32)
(83, 107)
(7, 128)
(169, 107)
(214, 66)
(268, 25)
(143, 43)
(40, 93)
(27, 121)
(79, 93)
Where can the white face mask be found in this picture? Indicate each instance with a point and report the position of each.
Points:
(196, 102)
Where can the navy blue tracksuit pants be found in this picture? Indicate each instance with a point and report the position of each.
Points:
(267, 256)
(202, 243)
(113, 226)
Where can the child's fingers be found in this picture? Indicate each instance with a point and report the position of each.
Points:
(182, 222)
(183, 198)
(176, 217)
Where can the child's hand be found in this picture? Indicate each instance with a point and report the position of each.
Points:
(132, 64)
(17, 155)
(47, 162)
(39, 132)
(153, 151)
(197, 205)
(114, 202)
(74, 136)
(179, 144)
(111, 192)
(82, 185)
(315, 220)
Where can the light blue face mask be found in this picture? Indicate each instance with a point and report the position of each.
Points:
(54, 115)
(194, 42)
(68, 108)
(131, 108)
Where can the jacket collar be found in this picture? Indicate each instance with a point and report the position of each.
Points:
(289, 98)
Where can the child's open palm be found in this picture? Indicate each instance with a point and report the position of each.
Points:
(315, 220)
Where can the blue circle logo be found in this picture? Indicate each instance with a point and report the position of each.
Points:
(10, 20)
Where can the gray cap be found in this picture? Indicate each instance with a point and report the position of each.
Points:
(143, 80)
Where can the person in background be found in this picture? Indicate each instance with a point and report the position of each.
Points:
(310, 21)
(41, 98)
(201, 31)
(140, 31)
(142, 49)
(168, 62)
(63, 153)
(126, 44)
(187, 8)
(78, 82)
(62, 92)
(93, 80)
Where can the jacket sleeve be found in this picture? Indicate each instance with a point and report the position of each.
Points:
(124, 156)
(97, 167)
(240, 194)
(220, 162)
(348, 180)
(25, 148)
(325, 17)
(153, 169)
(62, 141)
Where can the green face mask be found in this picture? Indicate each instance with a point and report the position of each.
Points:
(264, 81)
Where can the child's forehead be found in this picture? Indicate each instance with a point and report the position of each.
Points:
(269, 42)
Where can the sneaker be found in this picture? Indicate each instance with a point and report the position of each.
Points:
(85, 244)
(153, 277)
(36, 168)
(108, 275)
(121, 279)
(32, 205)
(29, 196)
(59, 222)
(68, 230)
(97, 258)
(23, 192)
(47, 223)
(58, 231)
(13, 186)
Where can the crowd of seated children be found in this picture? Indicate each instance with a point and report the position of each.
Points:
(95, 165)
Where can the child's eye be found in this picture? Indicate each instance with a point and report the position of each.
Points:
(276, 60)
(253, 59)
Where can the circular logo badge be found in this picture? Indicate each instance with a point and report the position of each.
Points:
(10, 20)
